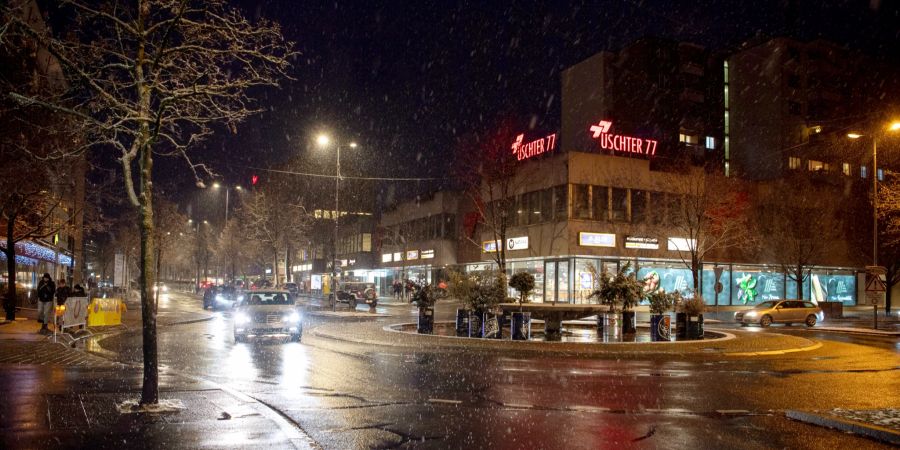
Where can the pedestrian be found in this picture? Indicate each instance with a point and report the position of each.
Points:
(78, 291)
(45, 291)
(62, 292)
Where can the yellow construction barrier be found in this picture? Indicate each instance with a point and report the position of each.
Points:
(105, 312)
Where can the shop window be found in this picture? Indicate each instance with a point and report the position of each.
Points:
(793, 162)
(639, 206)
(581, 201)
(560, 203)
(833, 286)
(600, 195)
(661, 276)
(752, 285)
(845, 169)
(708, 285)
(619, 211)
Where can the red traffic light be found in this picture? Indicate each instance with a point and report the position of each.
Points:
(254, 179)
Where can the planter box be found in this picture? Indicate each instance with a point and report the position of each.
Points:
(491, 328)
(520, 329)
(695, 327)
(462, 322)
(628, 323)
(660, 327)
(425, 324)
(681, 325)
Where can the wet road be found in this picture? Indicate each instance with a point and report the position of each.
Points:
(353, 396)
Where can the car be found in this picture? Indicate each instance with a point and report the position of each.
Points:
(353, 292)
(781, 311)
(292, 288)
(268, 313)
(217, 297)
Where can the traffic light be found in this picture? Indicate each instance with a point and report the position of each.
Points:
(254, 179)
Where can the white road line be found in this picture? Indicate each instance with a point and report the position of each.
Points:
(518, 405)
(441, 400)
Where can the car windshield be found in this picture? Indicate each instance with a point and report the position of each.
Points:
(270, 298)
(765, 305)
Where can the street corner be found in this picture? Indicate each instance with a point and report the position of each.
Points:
(882, 425)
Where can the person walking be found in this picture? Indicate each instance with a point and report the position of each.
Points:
(45, 291)
(78, 291)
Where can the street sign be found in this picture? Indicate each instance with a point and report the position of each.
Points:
(875, 298)
(874, 283)
(719, 287)
(718, 272)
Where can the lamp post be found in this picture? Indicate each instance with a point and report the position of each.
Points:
(227, 190)
(323, 140)
(894, 126)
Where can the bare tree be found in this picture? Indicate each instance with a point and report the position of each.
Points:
(153, 77)
(801, 221)
(269, 218)
(710, 212)
(889, 232)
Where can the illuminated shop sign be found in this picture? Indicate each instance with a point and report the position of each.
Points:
(427, 254)
(386, 257)
(646, 243)
(398, 256)
(515, 243)
(412, 254)
(586, 239)
(524, 150)
(682, 244)
(620, 143)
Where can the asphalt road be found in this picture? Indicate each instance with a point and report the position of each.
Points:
(352, 396)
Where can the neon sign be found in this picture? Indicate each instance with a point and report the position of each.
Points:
(620, 143)
(527, 150)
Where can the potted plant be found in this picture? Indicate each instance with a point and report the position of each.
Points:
(480, 292)
(661, 302)
(461, 287)
(424, 298)
(623, 289)
(692, 309)
(521, 321)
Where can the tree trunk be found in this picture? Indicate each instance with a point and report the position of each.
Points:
(288, 273)
(695, 274)
(275, 268)
(798, 278)
(10, 303)
(150, 390)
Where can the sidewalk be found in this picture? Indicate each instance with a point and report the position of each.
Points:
(881, 425)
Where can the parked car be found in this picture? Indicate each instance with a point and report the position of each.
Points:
(353, 293)
(217, 297)
(268, 313)
(781, 311)
(292, 288)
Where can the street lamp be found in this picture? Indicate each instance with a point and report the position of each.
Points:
(323, 140)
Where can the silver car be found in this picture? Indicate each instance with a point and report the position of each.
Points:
(267, 312)
(780, 311)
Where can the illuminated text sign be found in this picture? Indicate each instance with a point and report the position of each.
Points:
(524, 150)
(620, 143)
(682, 244)
(641, 242)
(515, 243)
(586, 239)
(412, 254)
(427, 254)
(387, 257)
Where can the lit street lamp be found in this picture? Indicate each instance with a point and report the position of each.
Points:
(323, 140)
(894, 126)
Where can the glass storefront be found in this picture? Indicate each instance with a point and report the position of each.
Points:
(752, 285)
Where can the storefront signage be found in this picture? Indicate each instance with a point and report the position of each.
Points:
(681, 244)
(621, 143)
(646, 243)
(517, 243)
(524, 150)
(586, 239)
(427, 254)
(398, 256)
(412, 254)
(489, 246)
(387, 257)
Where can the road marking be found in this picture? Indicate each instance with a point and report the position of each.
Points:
(518, 405)
(582, 408)
(732, 412)
(441, 400)
(777, 352)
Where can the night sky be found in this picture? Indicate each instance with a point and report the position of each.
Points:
(413, 81)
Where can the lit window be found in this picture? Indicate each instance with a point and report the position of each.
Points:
(794, 162)
(826, 167)
(845, 169)
(688, 138)
(863, 173)
(816, 165)
(710, 142)
(816, 129)
(880, 174)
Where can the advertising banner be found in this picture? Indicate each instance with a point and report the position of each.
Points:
(75, 313)
(105, 312)
(586, 239)
(119, 270)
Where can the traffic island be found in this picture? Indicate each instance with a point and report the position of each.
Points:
(725, 343)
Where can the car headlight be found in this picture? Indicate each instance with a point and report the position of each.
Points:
(292, 317)
(752, 314)
(165, 289)
(241, 318)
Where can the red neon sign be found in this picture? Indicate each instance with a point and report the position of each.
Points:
(533, 148)
(620, 143)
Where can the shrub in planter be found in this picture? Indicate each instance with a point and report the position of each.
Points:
(480, 292)
(521, 321)
(424, 298)
(661, 303)
(692, 310)
(623, 289)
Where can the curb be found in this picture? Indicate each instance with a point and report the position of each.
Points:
(860, 331)
(848, 426)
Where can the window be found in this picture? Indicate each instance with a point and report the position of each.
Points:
(367, 242)
(863, 173)
(581, 201)
(795, 108)
(793, 162)
(845, 169)
(601, 202)
(815, 165)
(880, 174)
(656, 202)
(688, 138)
(560, 203)
(546, 213)
(619, 204)
(710, 142)
(639, 206)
